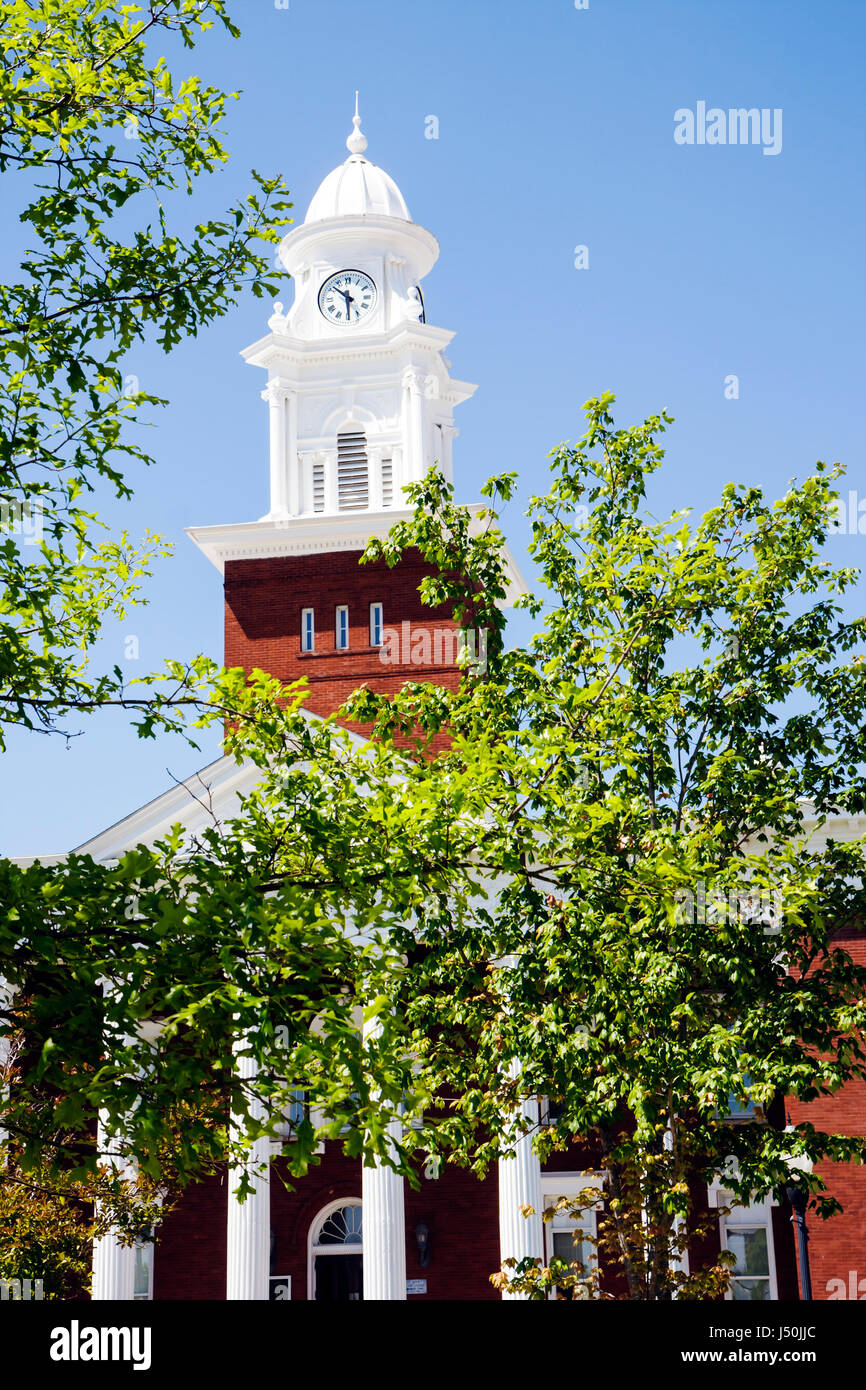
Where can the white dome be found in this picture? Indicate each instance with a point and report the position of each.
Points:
(357, 188)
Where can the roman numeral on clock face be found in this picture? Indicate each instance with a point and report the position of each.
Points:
(347, 296)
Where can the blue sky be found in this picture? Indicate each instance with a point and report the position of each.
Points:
(556, 130)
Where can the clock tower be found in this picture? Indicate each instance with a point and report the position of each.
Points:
(361, 402)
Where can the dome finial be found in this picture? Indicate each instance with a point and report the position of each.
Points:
(357, 141)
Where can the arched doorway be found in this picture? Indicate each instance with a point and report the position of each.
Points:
(336, 1260)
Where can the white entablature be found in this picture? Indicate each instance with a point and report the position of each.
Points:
(359, 389)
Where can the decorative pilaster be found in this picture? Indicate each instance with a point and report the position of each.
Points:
(374, 477)
(292, 461)
(446, 463)
(249, 1222)
(332, 501)
(521, 1237)
(413, 383)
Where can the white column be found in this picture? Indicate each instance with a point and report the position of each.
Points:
(113, 1270)
(249, 1222)
(275, 396)
(113, 1263)
(520, 1186)
(384, 1230)
(384, 1216)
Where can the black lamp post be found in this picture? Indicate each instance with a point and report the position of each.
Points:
(799, 1198)
(422, 1242)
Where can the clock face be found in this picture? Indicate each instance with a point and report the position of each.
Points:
(347, 297)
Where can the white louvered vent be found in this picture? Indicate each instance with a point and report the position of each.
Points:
(352, 483)
(387, 482)
(318, 484)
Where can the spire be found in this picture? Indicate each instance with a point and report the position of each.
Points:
(357, 141)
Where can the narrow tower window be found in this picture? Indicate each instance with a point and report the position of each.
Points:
(375, 624)
(318, 483)
(352, 481)
(341, 632)
(308, 630)
(387, 482)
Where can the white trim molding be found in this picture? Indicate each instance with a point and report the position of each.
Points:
(314, 1250)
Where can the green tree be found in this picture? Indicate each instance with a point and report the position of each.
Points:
(99, 141)
(131, 986)
(100, 144)
(641, 798)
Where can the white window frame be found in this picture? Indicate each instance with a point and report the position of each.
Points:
(315, 1252)
(556, 1185)
(308, 629)
(377, 624)
(756, 1216)
(312, 1113)
(290, 1120)
(547, 1120)
(341, 627)
(145, 1245)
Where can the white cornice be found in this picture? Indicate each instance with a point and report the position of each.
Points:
(274, 347)
(333, 233)
(314, 535)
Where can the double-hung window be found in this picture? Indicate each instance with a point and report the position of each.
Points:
(341, 628)
(750, 1282)
(569, 1235)
(376, 621)
(308, 630)
(747, 1232)
(143, 1276)
(750, 1240)
(292, 1116)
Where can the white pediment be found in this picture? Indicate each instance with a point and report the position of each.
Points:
(212, 796)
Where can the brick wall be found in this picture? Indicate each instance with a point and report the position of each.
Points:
(461, 1212)
(837, 1247)
(263, 604)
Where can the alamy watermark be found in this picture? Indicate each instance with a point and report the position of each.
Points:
(77, 1343)
(22, 1290)
(852, 1291)
(748, 904)
(735, 126)
(849, 516)
(23, 519)
(445, 646)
